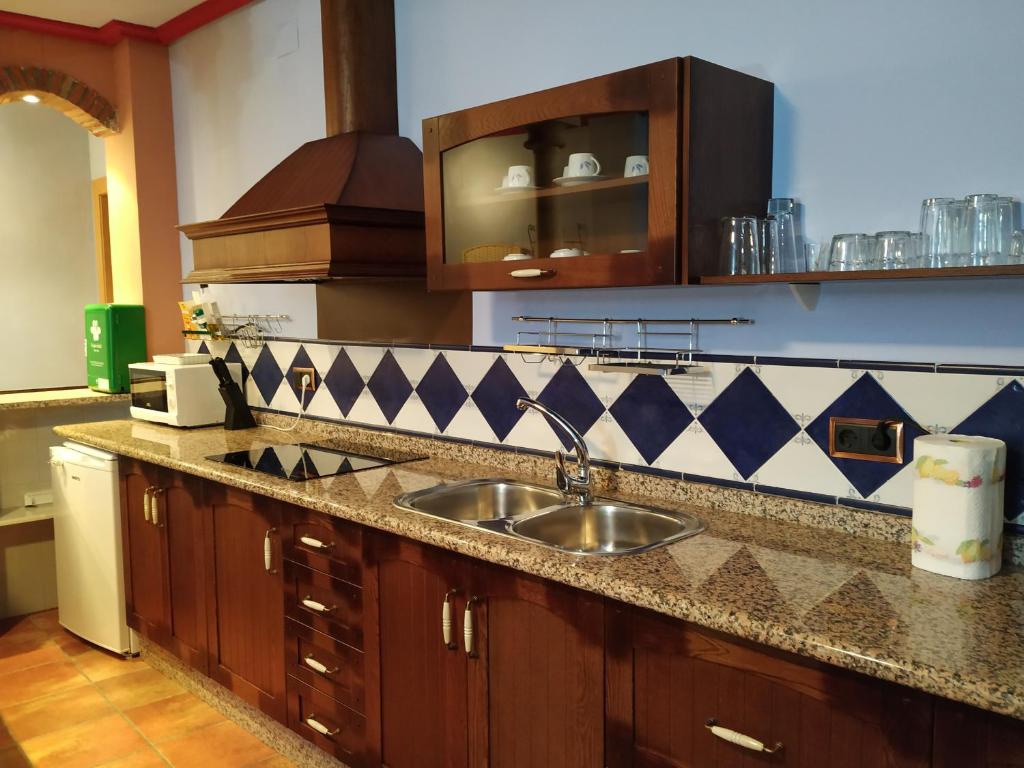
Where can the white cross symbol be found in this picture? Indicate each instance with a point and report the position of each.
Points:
(95, 330)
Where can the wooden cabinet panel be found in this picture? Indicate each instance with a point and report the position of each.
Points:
(328, 605)
(536, 679)
(965, 736)
(181, 518)
(422, 696)
(667, 679)
(246, 635)
(323, 663)
(333, 727)
(144, 557)
(324, 544)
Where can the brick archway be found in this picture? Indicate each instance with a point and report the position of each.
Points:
(62, 92)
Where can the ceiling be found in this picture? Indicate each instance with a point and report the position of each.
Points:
(96, 13)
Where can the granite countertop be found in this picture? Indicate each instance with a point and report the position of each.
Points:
(56, 398)
(850, 600)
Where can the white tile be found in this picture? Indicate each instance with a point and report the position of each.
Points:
(415, 417)
(939, 401)
(607, 441)
(218, 348)
(532, 431)
(284, 399)
(365, 359)
(470, 367)
(469, 423)
(322, 405)
(806, 392)
(800, 465)
(414, 362)
(284, 352)
(697, 453)
(366, 411)
(898, 490)
(323, 356)
(607, 386)
(252, 394)
(698, 389)
(533, 376)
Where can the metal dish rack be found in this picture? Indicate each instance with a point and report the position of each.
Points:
(668, 351)
(250, 330)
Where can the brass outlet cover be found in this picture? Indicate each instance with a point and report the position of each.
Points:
(298, 373)
(836, 423)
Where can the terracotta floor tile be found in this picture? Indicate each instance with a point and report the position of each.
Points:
(13, 757)
(277, 761)
(46, 621)
(29, 654)
(86, 744)
(137, 688)
(71, 644)
(51, 713)
(148, 758)
(173, 718)
(44, 680)
(102, 665)
(224, 745)
(20, 632)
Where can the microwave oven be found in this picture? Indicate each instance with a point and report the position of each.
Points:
(179, 395)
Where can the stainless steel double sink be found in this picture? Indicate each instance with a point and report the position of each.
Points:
(542, 515)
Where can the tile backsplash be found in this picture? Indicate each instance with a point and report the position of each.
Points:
(746, 422)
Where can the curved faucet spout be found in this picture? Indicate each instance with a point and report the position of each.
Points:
(576, 487)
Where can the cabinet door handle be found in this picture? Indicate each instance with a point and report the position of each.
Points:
(147, 503)
(741, 739)
(309, 541)
(533, 272)
(446, 619)
(316, 666)
(319, 727)
(313, 605)
(154, 506)
(268, 551)
(468, 638)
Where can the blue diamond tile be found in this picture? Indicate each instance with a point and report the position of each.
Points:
(1002, 417)
(203, 349)
(343, 382)
(301, 360)
(441, 392)
(232, 356)
(651, 415)
(570, 396)
(496, 396)
(389, 386)
(748, 423)
(267, 374)
(866, 399)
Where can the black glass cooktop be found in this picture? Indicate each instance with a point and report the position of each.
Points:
(304, 461)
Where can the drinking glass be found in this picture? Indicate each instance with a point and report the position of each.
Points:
(784, 211)
(920, 242)
(940, 224)
(851, 252)
(769, 232)
(1006, 225)
(740, 252)
(894, 249)
(1017, 248)
(982, 229)
(815, 257)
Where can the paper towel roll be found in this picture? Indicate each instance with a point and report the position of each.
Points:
(958, 505)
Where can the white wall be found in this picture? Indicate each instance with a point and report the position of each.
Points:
(878, 105)
(46, 247)
(247, 90)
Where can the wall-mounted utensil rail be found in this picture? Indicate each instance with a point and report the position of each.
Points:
(665, 352)
(251, 330)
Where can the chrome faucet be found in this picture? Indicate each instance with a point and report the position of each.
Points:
(576, 487)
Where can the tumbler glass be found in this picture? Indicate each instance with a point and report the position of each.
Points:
(941, 227)
(851, 252)
(740, 252)
(894, 249)
(1017, 248)
(982, 229)
(784, 211)
(769, 231)
(1006, 225)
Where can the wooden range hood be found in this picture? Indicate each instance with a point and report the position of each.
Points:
(347, 206)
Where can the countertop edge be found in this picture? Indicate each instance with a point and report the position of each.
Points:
(38, 400)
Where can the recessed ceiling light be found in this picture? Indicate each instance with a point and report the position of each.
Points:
(31, 98)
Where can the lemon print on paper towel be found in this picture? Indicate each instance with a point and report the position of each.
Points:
(974, 550)
(929, 466)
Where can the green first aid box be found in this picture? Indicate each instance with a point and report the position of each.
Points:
(115, 335)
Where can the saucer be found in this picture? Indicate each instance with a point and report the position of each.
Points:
(516, 257)
(568, 255)
(501, 190)
(572, 181)
(630, 250)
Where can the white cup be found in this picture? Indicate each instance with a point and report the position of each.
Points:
(583, 164)
(519, 176)
(515, 257)
(636, 165)
(565, 253)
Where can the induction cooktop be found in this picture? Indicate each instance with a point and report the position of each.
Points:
(305, 461)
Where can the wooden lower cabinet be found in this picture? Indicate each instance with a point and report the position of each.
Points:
(144, 554)
(246, 597)
(667, 679)
(968, 737)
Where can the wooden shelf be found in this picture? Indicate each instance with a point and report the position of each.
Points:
(556, 191)
(1004, 270)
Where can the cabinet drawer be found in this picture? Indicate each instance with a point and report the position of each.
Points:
(325, 544)
(331, 726)
(328, 605)
(325, 664)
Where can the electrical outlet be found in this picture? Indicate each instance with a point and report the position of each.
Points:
(298, 373)
(866, 439)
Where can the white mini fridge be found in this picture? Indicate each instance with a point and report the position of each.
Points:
(87, 538)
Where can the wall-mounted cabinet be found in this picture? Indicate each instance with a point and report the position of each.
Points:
(614, 181)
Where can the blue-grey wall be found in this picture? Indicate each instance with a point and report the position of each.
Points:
(878, 105)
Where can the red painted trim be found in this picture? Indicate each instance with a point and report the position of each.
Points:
(115, 31)
(194, 18)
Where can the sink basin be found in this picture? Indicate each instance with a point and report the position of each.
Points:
(606, 528)
(480, 501)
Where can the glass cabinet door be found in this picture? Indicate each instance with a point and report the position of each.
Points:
(568, 188)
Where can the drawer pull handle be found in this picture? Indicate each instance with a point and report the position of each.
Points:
(309, 541)
(320, 728)
(316, 666)
(268, 551)
(740, 739)
(313, 605)
(534, 272)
